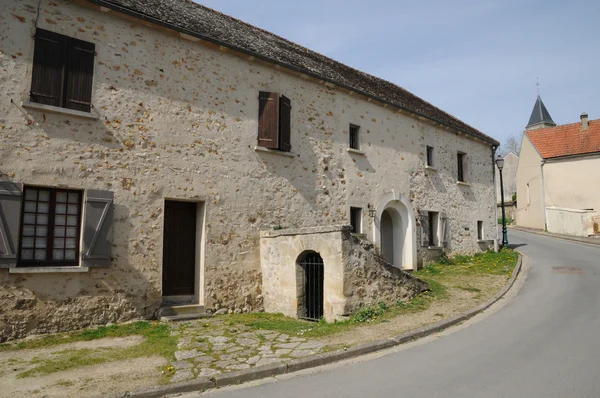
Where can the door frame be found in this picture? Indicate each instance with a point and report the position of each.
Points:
(198, 297)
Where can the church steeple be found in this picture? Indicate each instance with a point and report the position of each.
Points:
(540, 117)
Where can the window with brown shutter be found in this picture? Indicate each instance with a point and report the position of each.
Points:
(63, 69)
(274, 121)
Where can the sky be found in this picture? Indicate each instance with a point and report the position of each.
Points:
(478, 60)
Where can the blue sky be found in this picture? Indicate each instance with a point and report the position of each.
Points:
(477, 60)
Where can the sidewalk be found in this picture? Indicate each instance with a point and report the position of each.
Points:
(591, 241)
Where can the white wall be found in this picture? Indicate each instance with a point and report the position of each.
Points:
(570, 221)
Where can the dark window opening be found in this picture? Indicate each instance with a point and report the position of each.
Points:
(274, 121)
(433, 218)
(429, 156)
(50, 227)
(356, 219)
(354, 130)
(479, 230)
(63, 70)
(461, 166)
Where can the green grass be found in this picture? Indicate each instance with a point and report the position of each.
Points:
(437, 275)
(157, 341)
(123, 330)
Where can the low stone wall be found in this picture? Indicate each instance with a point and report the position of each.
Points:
(354, 273)
(23, 313)
(369, 279)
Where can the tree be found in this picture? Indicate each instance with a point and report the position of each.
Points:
(512, 144)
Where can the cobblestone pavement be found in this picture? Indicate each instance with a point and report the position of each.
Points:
(211, 346)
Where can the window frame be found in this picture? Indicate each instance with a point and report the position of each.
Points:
(433, 218)
(461, 175)
(354, 136)
(480, 230)
(51, 225)
(356, 219)
(429, 156)
(70, 92)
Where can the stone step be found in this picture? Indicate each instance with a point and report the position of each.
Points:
(184, 317)
(181, 312)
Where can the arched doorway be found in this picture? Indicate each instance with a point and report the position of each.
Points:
(394, 231)
(309, 284)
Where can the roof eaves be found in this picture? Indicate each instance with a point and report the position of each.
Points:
(151, 19)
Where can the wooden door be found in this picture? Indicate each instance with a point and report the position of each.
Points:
(179, 248)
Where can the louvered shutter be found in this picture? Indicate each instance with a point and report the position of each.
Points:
(10, 222)
(268, 120)
(424, 222)
(444, 237)
(48, 68)
(285, 123)
(97, 228)
(80, 74)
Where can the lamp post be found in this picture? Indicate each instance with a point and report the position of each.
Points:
(500, 164)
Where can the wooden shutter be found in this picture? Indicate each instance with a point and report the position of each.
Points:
(10, 222)
(80, 74)
(48, 68)
(285, 123)
(97, 228)
(268, 120)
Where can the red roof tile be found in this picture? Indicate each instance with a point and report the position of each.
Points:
(566, 140)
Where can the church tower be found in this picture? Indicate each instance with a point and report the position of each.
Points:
(540, 117)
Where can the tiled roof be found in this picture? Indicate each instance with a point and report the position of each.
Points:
(566, 140)
(197, 20)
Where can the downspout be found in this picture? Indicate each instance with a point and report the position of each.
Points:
(496, 246)
(543, 194)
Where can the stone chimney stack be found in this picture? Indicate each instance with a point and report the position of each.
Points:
(584, 121)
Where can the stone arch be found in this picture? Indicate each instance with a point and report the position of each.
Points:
(394, 229)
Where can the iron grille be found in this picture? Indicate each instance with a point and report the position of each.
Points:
(354, 136)
(460, 158)
(310, 305)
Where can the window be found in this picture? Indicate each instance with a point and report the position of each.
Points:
(356, 219)
(430, 156)
(433, 218)
(51, 224)
(354, 143)
(461, 157)
(274, 121)
(479, 230)
(63, 69)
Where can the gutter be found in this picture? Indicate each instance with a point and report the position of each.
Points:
(543, 183)
(148, 18)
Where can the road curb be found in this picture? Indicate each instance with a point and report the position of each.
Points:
(589, 241)
(232, 378)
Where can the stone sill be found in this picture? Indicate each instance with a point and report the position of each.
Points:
(356, 151)
(485, 241)
(304, 231)
(273, 151)
(435, 247)
(46, 270)
(57, 109)
(430, 168)
(462, 183)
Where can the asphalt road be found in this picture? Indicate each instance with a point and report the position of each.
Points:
(543, 342)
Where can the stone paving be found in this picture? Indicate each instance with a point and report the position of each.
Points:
(208, 347)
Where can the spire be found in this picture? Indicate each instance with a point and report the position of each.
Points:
(540, 117)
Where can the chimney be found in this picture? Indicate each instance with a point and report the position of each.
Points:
(584, 121)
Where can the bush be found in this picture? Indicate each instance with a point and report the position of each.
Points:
(509, 221)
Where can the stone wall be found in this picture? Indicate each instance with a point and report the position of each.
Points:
(177, 119)
(354, 274)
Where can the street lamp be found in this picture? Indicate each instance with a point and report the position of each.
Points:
(500, 164)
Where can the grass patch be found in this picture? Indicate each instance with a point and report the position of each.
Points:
(157, 341)
(123, 330)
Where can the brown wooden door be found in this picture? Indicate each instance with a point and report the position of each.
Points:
(179, 248)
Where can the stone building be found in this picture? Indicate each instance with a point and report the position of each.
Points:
(152, 151)
(557, 188)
